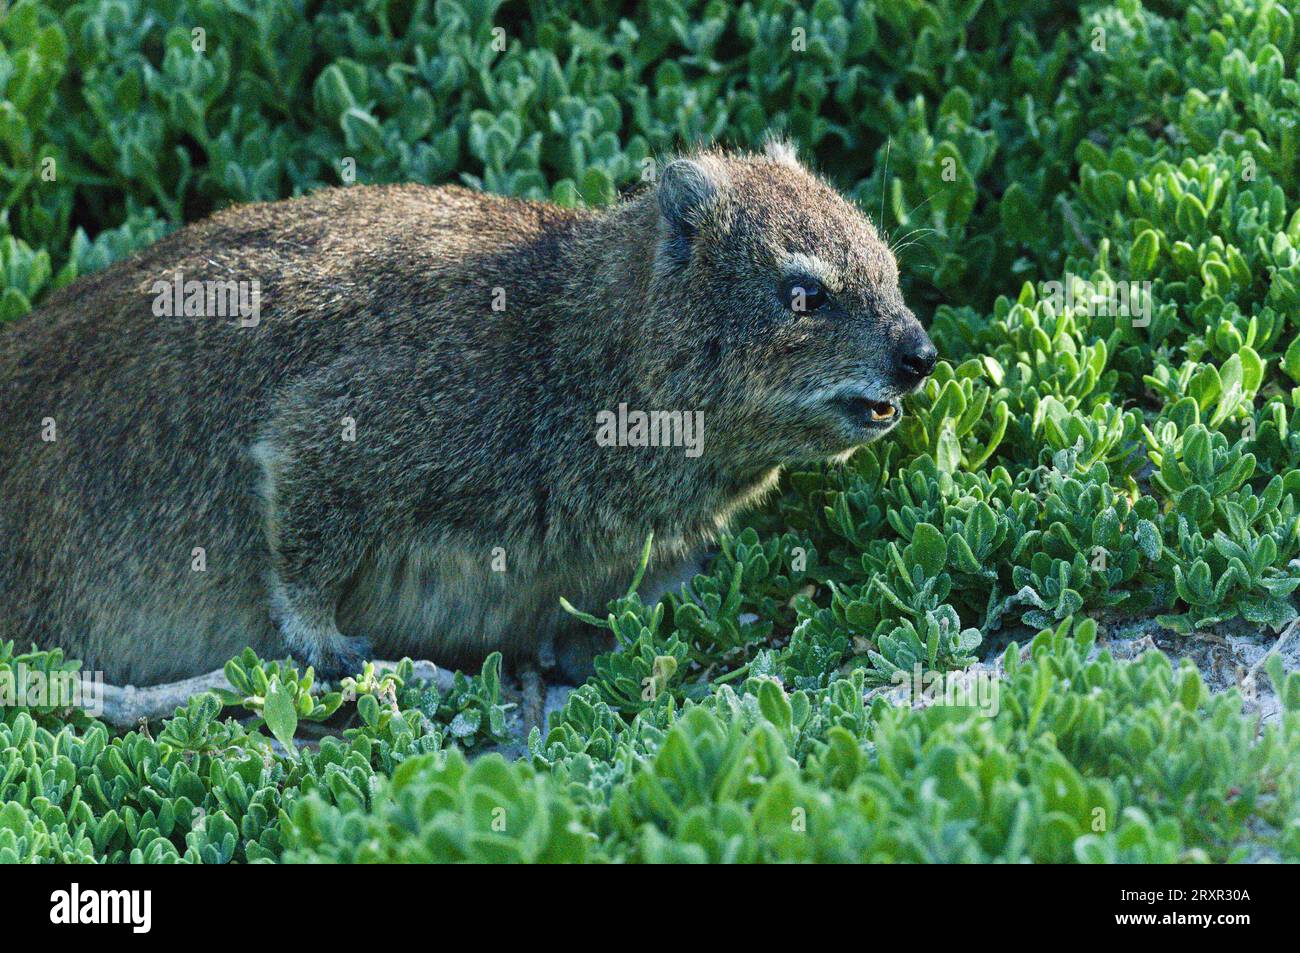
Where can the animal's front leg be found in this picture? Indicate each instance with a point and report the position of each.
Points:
(303, 610)
(315, 543)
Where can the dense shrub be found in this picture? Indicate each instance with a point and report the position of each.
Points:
(1065, 460)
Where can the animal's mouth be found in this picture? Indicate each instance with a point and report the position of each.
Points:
(863, 411)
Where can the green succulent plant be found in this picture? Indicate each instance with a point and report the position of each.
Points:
(1069, 462)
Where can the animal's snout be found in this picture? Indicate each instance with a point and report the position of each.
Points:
(916, 359)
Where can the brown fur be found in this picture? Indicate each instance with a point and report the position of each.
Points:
(475, 428)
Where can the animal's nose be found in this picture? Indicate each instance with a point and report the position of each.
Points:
(918, 360)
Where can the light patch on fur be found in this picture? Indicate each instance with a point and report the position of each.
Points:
(269, 461)
(799, 264)
(782, 151)
(751, 497)
(867, 390)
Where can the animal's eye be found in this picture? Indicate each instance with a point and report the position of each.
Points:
(804, 296)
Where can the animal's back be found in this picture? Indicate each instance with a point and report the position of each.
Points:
(125, 437)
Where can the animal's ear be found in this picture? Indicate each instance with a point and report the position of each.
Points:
(689, 192)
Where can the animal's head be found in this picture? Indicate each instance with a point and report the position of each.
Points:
(807, 338)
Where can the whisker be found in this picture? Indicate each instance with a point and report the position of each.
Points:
(918, 208)
(884, 187)
(918, 231)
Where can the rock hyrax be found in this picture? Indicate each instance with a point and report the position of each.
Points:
(437, 412)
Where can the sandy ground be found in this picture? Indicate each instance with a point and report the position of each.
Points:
(1230, 656)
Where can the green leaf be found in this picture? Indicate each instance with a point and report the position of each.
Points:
(928, 549)
(1148, 539)
(281, 714)
(1142, 256)
(775, 706)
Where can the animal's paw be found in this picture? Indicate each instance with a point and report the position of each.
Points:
(340, 657)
